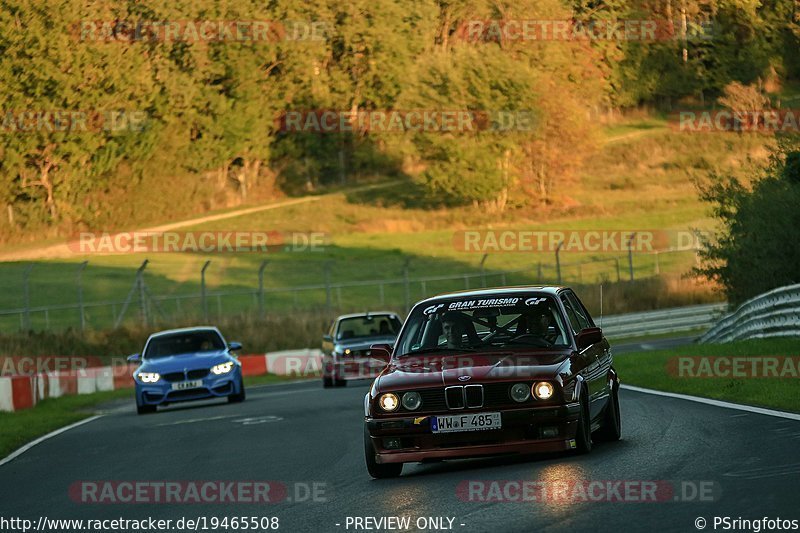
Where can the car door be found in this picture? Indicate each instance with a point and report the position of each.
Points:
(593, 375)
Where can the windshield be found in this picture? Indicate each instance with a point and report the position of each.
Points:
(184, 343)
(368, 326)
(509, 322)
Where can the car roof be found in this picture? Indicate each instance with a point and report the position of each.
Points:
(185, 330)
(368, 313)
(497, 291)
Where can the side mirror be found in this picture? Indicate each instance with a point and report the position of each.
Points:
(135, 358)
(233, 346)
(588, 336)
(327, 338)
(381, 352)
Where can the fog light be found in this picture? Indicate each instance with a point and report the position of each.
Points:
(392, 444)
(549, 433)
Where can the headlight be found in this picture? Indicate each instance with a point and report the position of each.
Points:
(412, 401)
(543, 390)
(149, 377)
(520, 392)
(347, 351)
(388, 402)
(222, 368)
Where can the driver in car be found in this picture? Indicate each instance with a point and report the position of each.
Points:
(453, 330)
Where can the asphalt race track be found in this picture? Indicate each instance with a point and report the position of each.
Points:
(300, 433)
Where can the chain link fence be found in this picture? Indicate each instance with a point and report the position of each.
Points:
(57, 301)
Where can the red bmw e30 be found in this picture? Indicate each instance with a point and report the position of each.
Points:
(491, 372)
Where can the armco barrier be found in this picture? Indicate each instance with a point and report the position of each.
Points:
(662, 321)
(25, 391)
(773, 314)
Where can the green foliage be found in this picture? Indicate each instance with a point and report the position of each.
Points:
(210, 138)
(756, 250)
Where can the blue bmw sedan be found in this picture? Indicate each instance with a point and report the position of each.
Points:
(187, 364)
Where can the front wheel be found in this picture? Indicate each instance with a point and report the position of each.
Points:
(145, 409)
(583, 437)
(375, 469)
(612, 426)
(240, 397)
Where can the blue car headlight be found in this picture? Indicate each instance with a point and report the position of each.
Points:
(149, 377)
(222, 368)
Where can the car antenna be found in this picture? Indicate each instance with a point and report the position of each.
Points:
(601, 306)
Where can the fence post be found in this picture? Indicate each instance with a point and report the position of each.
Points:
(657, 267)
(81, 267)
(26, 295)
(483, 270)
(142, 299)
(630, 255)
(261, 289)
(203, 301)
(381, 293)
(616, 261)
(328, 286)
(558, 261)
(406, 288)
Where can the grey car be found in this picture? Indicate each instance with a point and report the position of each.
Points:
(345, 347)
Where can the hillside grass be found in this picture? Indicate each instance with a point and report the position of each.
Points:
(644, 183)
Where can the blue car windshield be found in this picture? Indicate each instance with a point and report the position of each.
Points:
(184, 343)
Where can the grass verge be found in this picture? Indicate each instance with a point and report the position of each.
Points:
(653, 370)
(22, 427)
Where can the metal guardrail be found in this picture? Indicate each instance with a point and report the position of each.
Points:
(663, 321)
(773, 314)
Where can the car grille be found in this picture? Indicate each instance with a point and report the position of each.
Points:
(490, 395)
(197, 374)
(183, 376)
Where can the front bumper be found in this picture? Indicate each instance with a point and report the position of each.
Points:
(523, 431)
(161, 393)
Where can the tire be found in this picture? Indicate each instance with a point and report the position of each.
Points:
(583, 436)
(375, 469)
(145, 409)
(327, 382)
(612, 423)
(238, 398)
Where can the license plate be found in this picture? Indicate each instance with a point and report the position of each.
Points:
(183, 385)
(465, 422)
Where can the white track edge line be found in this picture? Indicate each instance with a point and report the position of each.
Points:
(43, 438)
(716, 403)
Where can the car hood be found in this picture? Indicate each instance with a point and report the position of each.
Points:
(364, 343)
(432, 371)
(186, 361)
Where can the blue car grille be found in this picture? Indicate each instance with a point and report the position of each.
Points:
(172, 377)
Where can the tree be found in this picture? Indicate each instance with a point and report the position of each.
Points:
(755, 250)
